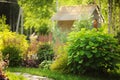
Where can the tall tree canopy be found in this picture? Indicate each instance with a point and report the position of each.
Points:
(38, 12)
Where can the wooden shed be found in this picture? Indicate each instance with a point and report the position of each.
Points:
(66, 15)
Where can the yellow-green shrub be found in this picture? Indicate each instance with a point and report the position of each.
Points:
(3, 24)
(8, 38)
(60, 62)
(13, 44)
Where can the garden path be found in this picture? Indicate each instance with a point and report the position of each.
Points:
(32, 77)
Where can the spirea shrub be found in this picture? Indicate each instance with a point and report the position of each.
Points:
(8, 38)
(91, 51)
(13, 44)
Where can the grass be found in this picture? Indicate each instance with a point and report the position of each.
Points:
(61, 76)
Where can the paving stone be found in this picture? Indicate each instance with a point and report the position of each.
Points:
(32, 77)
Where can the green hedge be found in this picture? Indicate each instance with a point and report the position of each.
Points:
(91, 51)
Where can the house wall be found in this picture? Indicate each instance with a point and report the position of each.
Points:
(66, 25)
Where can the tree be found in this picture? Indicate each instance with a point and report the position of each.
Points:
(37, 13)
(113, 16)
(109, 15)
(116, 16)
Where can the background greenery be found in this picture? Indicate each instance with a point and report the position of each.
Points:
(87, 47)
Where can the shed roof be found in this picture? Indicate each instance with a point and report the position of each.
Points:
(75, 12)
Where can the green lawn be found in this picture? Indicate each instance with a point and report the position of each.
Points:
(61, 76)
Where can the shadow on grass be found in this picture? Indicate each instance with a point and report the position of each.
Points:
(62, 76)
(105, 76)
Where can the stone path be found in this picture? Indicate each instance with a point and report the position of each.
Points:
(32, 77)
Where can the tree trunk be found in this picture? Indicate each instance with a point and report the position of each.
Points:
(109, 15)
(22, 21)
(114, 18)
(99, 2)
(57, 5)
(18, 21)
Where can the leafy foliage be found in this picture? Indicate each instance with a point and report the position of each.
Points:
(45, 52)
(59, 35)
(13, 44)
(14, 55)
(79, 24)
(91, 51)
(44, 30)
(3, 24)
(61, 60)
(45, 64)
(13, 39)
(37, 13)
(118, 37)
